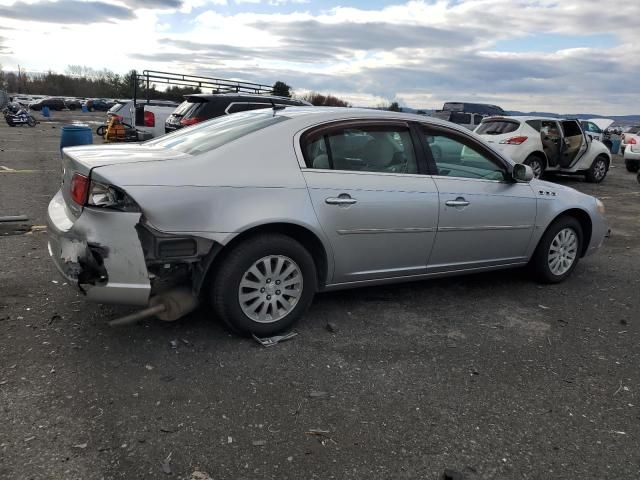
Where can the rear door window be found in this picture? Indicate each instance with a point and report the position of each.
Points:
(366, 148)
(571, 128)
(497, 127)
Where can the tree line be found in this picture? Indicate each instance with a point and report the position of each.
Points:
(86, 82)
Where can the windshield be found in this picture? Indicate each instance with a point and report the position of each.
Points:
(214, 133)
(497, 127)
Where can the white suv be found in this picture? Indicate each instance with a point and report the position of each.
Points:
(547, 145)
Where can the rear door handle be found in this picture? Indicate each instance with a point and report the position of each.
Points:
(342, 199)
(458, 202)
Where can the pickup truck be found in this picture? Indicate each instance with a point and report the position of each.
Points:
(147, 117)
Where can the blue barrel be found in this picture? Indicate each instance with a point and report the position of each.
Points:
(615, 146)
(45, 111)
(73, 135)
(84, 108)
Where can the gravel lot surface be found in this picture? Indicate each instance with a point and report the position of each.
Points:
(490, 375)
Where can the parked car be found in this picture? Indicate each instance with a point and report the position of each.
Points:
(256, 212)
(467, 120)
(632, 157)
(146, 116)
(54, 103)
(548, 145)
(200, 107)
(73, 103)
(99, 104)
(630, 136)
(483, 109)
(597, 129)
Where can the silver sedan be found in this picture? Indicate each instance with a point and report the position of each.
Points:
(256, 212)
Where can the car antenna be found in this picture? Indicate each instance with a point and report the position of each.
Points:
(276, 107)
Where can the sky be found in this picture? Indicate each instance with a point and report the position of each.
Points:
(565, 56)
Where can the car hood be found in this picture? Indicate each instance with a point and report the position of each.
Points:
(96, 156)
(602, 123)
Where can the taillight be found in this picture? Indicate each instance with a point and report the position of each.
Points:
(514, 140)
(191, 121)
(79, 188)
(633, 141)
(149, 119)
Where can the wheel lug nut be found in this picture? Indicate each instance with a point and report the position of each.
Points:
(262, 290)
(268, 297)
(277, 282)
(277, 292)
(268, 280)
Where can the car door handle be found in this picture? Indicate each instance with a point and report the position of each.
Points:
(341, 200)
(458, 202)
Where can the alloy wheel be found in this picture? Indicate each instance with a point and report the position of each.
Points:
(563, 251)
(270, 289)
(599, 169)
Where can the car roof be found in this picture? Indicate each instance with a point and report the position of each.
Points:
(524, 118)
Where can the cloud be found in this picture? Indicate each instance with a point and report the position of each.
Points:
(154, 4)
(66, 12)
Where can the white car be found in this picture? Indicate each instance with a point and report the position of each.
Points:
(630, 136)
(547, 145)
(632, 157)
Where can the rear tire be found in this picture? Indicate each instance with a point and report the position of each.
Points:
(632, 167)
(598, 170)
(258, 279)
(558, 251)
(537, 164)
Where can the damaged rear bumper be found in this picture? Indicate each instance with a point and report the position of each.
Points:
(100, 252)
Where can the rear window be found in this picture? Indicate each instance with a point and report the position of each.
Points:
(116, 108)
(460, 118)
(184, 107)
(633, 130)
(497, 127)
(442, 115)
(214, 133)
(244, 106)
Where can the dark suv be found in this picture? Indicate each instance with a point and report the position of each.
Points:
(54, 103)
(200, 107)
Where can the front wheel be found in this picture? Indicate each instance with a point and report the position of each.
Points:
(536, 164)
(559, 250)
(31, 121)
(264, 285)
(598, 170)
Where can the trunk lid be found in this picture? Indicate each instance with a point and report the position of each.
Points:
(83, 160)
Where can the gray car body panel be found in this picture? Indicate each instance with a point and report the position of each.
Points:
(399, 229)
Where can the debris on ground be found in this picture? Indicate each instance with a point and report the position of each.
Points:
(173, 343)
(331, 327)
(449, 474)
(81, 446)
(272, 341)
(200, 476)
(166, 464)
(259, 443)
(317, 394)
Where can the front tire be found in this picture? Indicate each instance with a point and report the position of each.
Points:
(31, 121)
(537, 165)
(559, 251)
(264, 285)
(598, 170)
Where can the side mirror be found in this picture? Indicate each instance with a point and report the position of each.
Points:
(522, 173)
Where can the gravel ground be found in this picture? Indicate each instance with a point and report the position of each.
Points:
(489, 375)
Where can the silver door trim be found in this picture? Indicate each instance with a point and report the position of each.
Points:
(485, 227)
(364, 231)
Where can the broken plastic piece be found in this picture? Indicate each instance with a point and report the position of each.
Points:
(271, 341)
